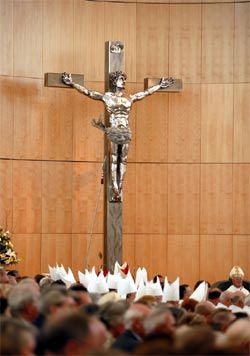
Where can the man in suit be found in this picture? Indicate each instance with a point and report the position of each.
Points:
(134, 328)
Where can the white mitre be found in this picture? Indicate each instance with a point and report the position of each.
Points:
(154, 289)
(200, 293)
(171, 292)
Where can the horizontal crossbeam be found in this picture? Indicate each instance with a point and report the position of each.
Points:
(175, 88)
(55, 80)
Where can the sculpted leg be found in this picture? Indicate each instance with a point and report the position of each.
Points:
(123, 165)
(114, 172)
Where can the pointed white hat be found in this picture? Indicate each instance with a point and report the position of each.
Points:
(112, 280)
(98, 284)
(83, 279)
(141, 275)
(154, 288)
(141, 291)
(200, 293)
(171, 292)
(126, 286)
(236, 271)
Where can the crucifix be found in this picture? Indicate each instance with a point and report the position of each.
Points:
(117, 135)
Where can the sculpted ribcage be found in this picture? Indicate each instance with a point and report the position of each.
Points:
(118, 109)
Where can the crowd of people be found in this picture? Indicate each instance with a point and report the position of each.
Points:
(42, 316)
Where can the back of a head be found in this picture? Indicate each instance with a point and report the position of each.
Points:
(53, 297)
(238, 335)
(204, 308)
(225, 297)
(17, 337)
(112, 313)
(194, 341)
(66, 331)
(219, 320)
(22, 295)
(160, 321)
(189, 304)
(136, 311)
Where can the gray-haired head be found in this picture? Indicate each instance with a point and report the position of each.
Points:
(21, 298)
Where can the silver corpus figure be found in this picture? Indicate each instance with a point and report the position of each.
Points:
(118, 132)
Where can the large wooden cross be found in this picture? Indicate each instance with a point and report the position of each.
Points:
(114, 61)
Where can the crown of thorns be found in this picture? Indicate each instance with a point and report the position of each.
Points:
(114, 76)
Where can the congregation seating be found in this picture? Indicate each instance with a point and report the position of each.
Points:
(54, 315)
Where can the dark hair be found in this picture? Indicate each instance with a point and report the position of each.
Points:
(13, 273)
(60, 331)
(214, 294)
(78, 287)
(182, 289)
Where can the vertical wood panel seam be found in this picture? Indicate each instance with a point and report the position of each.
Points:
(233, 143)
(201, 25)
(167, 204)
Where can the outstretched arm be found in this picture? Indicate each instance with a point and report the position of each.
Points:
(163, 84)
(67, 79)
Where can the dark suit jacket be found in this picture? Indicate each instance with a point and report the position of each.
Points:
(126, 341)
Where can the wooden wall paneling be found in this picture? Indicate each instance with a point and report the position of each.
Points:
(87, 252)
(216, 123)
(151, 198)
(184, 131)
(217, 43)
(152, 31)
(129, 200)
(241, 253)
(151, 253)
(56, 197)
(27, 197)
(120, 24)
(183, 198)
(6, 37)
(183, 258)
(152, 1)
(128, 251)
(241, 199)
(216, 257)
(56, 248)
(58, 36)
(242, 43)
(241, 123)
(6, 210)
(28, 38)
(28, 248)
(6, 116)
(87, 195)
(152, 128)
(88, 142)
(28, 118)
(185, 42)
(89, 52)
(216, 199)
(58, 124)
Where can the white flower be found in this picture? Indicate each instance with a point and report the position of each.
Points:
(10, 253)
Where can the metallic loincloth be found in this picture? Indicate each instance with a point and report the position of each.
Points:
(118, 135)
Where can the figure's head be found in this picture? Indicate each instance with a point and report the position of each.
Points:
(237, 276)
(117, 80)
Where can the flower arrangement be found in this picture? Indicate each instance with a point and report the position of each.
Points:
(8, 255)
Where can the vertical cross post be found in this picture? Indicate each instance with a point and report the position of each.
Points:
(114, 61)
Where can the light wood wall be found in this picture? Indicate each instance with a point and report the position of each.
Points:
(187, 189)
